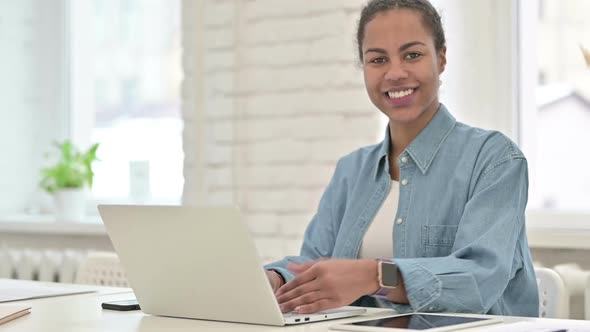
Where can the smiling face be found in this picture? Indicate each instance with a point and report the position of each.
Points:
(402, 66)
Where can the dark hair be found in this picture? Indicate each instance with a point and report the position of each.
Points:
(430, 18)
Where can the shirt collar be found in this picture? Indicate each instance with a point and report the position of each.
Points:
(425, 146)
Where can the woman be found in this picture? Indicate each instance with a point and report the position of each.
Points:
(443, 201)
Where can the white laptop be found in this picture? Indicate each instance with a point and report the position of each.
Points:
(195, 262)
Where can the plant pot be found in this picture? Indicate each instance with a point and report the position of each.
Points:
(70, 205)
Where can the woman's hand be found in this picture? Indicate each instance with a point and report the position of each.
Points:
(275, 280)
(327, 284)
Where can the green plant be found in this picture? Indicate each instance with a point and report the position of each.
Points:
(72, 170)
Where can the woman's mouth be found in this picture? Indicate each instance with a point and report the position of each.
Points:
(401, 97)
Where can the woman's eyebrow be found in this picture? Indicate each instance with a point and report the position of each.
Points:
(376, 50)
(410, 44)
(401, 49)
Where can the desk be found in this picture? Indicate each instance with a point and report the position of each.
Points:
(83, 313)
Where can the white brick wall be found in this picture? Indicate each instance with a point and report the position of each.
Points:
(281, 99)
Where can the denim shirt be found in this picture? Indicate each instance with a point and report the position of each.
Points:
(459, 233)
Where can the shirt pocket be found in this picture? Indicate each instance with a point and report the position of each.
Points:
(438, 240)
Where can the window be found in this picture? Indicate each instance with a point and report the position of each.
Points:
(555, 103)
(125, 94)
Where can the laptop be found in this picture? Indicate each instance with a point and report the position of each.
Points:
(195, 262)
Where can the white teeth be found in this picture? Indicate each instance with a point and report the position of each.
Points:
(400, 94)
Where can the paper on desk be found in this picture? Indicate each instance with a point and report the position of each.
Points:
(16, 290)
(547, 325)
(10, 312)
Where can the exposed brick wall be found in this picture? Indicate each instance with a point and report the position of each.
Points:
(275, 93)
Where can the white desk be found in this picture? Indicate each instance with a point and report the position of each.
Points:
(83, 313)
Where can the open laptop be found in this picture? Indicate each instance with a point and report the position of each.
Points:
(195, 262)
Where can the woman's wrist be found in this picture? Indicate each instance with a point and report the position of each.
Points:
(372, 275)
(280, 277)
(399, 295)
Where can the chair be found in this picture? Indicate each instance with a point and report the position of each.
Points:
(103, 269)
(574, 279)
(553, 299)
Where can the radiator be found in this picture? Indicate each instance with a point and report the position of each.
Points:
(40, 264)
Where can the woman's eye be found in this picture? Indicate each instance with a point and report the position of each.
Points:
(413, 55)
(378, 60)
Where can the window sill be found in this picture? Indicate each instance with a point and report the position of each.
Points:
(44, 224)
(559, 230)
(545, 229)
(558, 238)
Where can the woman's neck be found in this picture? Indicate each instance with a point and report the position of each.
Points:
(402, 134)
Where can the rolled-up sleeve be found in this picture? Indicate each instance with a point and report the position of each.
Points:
(485, 254)
(320, 234)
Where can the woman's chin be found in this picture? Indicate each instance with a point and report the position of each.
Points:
(403, 116)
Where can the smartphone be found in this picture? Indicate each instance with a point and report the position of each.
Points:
(124, 305)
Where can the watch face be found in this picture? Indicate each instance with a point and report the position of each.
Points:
(389, 274)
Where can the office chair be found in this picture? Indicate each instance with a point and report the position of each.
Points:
(103, 269)
(574, 279)
(553, 299)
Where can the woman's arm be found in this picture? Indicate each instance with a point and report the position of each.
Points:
(486, 254)
(320, 235)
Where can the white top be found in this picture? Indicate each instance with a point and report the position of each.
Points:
(378, 241)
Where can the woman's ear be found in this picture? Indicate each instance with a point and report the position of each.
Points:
(442, 60)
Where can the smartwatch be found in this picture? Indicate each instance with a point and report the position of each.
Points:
(387, 274)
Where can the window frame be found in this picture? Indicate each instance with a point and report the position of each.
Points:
(80, 96)
(546, 228)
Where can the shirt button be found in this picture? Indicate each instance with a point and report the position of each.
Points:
(399, 221)
(404, 159)
(404, 182)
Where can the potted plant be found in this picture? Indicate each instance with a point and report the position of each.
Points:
(67, 180)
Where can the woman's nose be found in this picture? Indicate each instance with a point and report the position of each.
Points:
(396, 72)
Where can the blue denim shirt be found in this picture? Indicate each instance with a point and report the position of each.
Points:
(459, 234)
